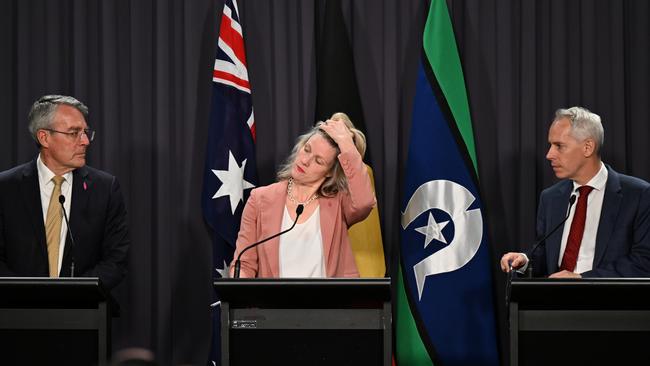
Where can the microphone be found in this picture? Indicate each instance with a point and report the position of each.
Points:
(572, 200)
(67, 224)
(299, 210)
(510, 275)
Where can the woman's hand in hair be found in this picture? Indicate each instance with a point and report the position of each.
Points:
(340, 133)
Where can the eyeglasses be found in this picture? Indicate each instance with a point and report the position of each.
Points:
(76, 135)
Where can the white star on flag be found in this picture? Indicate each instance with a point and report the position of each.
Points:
(433, 230)
(223, 271)
(233, 183)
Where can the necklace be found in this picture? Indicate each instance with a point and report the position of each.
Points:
(295, 201)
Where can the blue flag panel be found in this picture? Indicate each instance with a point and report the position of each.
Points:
(444, 246)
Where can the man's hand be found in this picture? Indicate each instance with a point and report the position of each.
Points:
(515, 260)
(565, 274)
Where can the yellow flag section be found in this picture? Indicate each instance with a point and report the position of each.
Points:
(367, 245)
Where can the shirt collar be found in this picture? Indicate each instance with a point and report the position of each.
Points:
(45, 175)
(598, 181)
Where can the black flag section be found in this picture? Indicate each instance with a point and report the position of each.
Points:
(336, 79)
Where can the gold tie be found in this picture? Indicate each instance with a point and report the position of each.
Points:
(53, 227)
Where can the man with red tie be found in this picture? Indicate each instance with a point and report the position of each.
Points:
(607, 232)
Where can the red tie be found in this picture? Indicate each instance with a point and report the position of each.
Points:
(577, 230)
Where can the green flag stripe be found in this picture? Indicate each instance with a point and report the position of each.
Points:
(440, 48)
(409, 349)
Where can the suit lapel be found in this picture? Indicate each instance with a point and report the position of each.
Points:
(81, 184)
(558, 212)
(272, 212)
(608, 215)
(327, 217)
(31, 195)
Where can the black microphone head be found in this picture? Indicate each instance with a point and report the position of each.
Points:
(299, 210)
(572, 199)
(61, 199)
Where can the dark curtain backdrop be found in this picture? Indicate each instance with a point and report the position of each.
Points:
(144, 69)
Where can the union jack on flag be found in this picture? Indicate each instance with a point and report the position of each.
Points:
(230, 169)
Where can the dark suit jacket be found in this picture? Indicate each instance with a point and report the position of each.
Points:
(623, 237)
(97, 221)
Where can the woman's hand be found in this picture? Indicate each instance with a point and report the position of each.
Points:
(339, 132)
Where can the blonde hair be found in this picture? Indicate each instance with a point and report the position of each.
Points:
(336, 181)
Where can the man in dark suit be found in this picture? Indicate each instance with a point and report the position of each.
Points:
(607, 233)
(34, 239)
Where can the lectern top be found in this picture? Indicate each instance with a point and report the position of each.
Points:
(627, 293)
(304, 292)
(77, 292)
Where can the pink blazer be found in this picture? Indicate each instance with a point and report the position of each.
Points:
(262, 217)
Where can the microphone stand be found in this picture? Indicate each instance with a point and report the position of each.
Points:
(67, 224)
(299, 210)
(529, 270)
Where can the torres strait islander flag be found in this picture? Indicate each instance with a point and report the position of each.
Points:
(230, 169)
(444, 305)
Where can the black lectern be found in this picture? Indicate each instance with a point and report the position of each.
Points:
(305, 321)
(54, 321)
(580, 322)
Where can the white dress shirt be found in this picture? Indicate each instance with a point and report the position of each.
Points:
(46, 185)
(594, 207)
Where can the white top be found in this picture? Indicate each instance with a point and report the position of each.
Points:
(301, 249)
(594, 207)
(46, 185)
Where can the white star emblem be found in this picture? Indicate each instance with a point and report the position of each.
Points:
(433, 230)
(223, 271)
(233, 183)
(455, 200)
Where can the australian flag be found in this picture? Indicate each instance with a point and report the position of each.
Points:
(230, 169)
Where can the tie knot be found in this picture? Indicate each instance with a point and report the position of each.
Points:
(58, 180)
(585, 190)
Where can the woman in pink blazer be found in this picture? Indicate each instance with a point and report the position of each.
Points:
(326, 174)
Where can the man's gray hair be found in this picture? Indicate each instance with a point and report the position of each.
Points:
(584, 124)
(42, 111)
